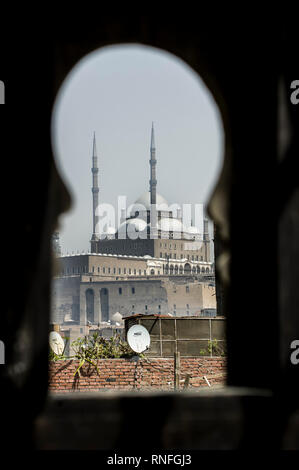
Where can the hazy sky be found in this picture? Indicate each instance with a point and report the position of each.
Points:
(117, 92)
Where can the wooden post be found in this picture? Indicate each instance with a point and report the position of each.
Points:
(177, 370)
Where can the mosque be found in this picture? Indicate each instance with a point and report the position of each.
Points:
(152, 264)
(152, 228)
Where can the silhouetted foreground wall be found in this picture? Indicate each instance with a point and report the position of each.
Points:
(127, 374)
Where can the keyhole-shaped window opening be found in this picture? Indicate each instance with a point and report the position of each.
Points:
(133, 126)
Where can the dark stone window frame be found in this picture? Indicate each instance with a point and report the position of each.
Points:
(214, 75)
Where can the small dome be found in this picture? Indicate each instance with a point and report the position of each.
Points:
(171, 225)
(145, 200)
(111, 230)
(117, 317)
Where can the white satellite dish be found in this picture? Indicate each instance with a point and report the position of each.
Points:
(138, 338)
(56, 342)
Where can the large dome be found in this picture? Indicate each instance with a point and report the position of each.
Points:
(145, 200)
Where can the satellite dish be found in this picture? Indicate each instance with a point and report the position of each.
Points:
(56, 343)
(138, 338)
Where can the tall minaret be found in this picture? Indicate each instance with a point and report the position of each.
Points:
(206, 240)
(95, 187)
(153, 161)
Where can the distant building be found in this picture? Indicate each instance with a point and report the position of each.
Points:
(94, 298)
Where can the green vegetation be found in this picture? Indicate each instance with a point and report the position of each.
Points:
(90, 348)
(215, 348)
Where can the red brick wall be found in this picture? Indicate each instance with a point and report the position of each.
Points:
(128, 375)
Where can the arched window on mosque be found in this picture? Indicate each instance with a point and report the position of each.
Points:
(90, 305)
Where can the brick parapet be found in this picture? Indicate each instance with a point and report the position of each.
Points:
(125, 374)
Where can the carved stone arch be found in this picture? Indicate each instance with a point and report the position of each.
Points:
(187, 268)
(104, 299)
(89, 296)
